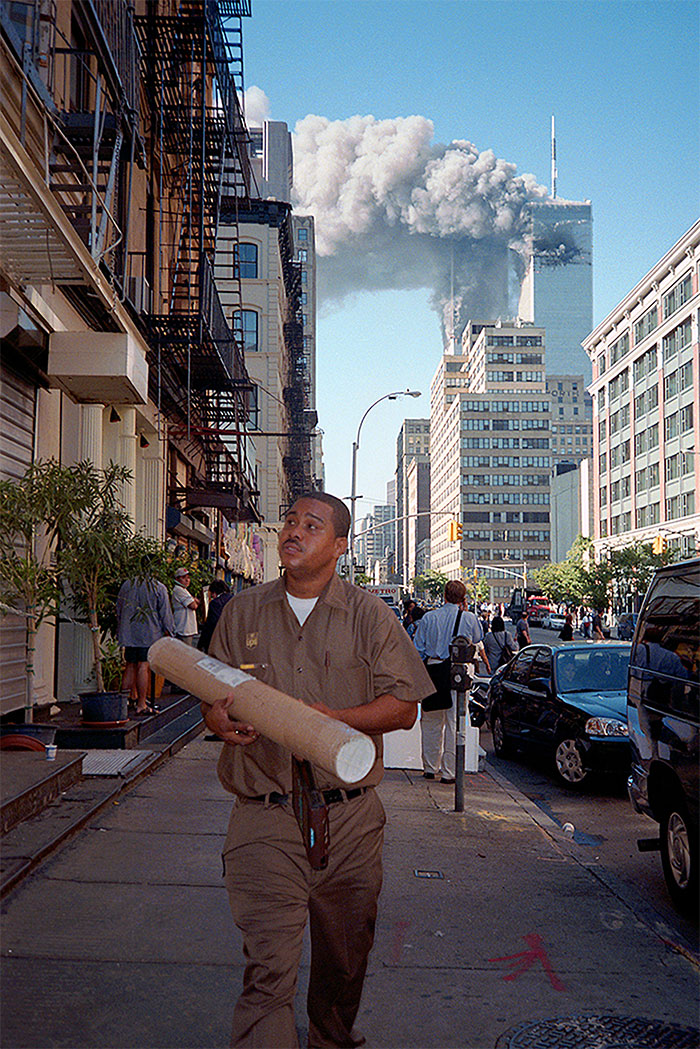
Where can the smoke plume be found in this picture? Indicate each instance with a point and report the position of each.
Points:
(393, 209)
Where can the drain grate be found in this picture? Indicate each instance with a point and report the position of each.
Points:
(599, 1032)
(114, 762)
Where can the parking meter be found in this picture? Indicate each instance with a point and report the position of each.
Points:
(462, 654)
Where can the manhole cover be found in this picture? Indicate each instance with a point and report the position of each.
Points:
(599, 1032)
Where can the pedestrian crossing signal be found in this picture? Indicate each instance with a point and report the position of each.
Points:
(454, 532)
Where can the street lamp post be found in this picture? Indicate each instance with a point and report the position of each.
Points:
(353, 488)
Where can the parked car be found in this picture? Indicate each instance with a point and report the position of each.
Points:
(663, 716)
(568, 701)
(625, 625)
(553, 621)
(538, 613)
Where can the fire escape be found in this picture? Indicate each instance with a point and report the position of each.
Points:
(197, 369)
(79, 122)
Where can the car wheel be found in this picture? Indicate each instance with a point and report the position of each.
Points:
(501, 744)
(568, 763)
(679, 856)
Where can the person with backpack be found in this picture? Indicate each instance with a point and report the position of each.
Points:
(500, 646)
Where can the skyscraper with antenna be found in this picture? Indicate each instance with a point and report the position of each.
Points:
(556, 279)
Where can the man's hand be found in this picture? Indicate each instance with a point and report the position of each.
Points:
(217, 721)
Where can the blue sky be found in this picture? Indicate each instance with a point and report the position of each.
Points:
(621, 77)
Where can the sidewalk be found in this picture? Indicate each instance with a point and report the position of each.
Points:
(488, 919)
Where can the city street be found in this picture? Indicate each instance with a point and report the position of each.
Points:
(489, 919)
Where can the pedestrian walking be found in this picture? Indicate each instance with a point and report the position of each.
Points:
(184, 608)
(341, 650)
(143, 616)
(522, 630)
(432, 639)
(567, 631)
(499, 645)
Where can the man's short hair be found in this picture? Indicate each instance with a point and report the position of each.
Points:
(455, 592)
(218, 586)
(341, 514)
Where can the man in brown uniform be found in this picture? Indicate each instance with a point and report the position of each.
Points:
(341, 650)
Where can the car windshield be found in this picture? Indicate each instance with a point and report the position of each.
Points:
(592, 670)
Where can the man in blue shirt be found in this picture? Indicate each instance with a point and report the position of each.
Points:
(432, 639)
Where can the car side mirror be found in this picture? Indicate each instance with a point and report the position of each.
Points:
(540, 684)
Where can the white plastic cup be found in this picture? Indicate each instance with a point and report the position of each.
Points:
(51, 751)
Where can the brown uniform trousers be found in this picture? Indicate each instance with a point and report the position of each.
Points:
(272, 889)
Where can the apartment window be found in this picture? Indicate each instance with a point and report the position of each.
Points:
(677, 339)
(671, 385)
(652, 396)
(304, 276)
(245, 322)
(646, 324)
(686, 420)
(245, 260)
(673, 467)
(671, 426)
(601, 398)
(302, 254)
(653, 475)
(677, 296)
(653, 437)
(619, 348)
(528, 340)
(302, 234)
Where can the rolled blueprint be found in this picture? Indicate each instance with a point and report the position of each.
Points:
(330, 744)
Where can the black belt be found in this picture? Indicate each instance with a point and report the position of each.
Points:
(331, 797)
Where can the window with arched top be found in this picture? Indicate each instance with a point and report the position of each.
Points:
(246, 327)
(245, 260)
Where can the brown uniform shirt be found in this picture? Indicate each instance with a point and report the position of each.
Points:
(351, 649)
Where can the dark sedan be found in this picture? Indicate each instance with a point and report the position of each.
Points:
(569, 701)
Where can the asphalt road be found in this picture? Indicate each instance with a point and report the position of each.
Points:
(603, 819)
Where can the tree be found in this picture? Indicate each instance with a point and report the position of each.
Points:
(632, 568)
(96, 552)
(431, 583)
(33, 509)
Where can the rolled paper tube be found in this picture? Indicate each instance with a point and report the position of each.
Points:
(330, 744)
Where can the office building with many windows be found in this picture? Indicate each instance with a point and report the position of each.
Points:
(490, 455)
(412, 443)
(556, 288)
(646, 404)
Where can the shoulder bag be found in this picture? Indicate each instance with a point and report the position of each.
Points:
(441, 699)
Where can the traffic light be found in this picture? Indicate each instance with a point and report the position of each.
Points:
(454, 531)
(659, 544)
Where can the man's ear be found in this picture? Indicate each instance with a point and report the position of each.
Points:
(341, 545)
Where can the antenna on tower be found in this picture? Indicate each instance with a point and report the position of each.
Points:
(554, 161)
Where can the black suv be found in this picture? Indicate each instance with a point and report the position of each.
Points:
(663, 717)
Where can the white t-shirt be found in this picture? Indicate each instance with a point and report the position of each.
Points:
(301, 607)
(185, 617)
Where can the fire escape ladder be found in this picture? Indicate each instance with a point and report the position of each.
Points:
(202, 373)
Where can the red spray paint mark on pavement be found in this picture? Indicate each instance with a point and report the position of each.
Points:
(400, 930)
(521, 962)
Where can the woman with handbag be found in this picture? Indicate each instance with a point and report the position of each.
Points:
(500, 646)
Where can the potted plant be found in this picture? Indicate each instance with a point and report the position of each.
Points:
(95, 556)
(32, 511)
